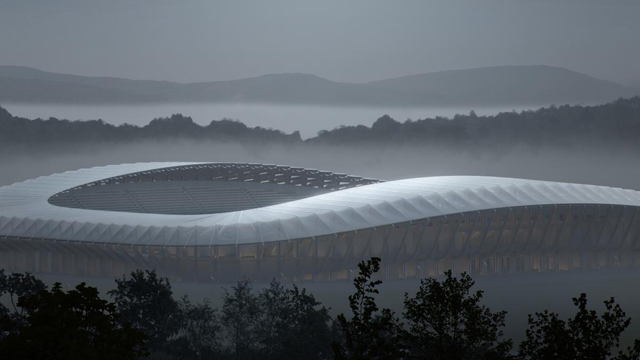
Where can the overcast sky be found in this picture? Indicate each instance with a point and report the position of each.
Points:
(354, 41)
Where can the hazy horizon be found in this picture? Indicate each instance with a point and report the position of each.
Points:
(632, 84)
(573, 165)
(504, 134)
(348, 42)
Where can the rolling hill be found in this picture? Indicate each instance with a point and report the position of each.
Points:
(508, 85)
(502, 85)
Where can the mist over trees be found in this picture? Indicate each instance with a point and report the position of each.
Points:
(58, 324)
(616, 123)
(370, 332)
(25, 132)
(141, 318)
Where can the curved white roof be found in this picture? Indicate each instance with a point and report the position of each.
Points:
(26, 213)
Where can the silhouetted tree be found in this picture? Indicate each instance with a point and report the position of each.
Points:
(240, 312)
(71, 325)
(446, 321)
(371, 333)
(21, 131)
(385, 125)
(586, 336)
(553, 126)
(5, 115)
(631, 353)
(291, 326)
(14, 286)
(145, 301)
(199, 335)
(612, 123)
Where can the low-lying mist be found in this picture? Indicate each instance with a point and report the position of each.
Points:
(612, 166)
(518, 294)
(288, 118)
(466, 146)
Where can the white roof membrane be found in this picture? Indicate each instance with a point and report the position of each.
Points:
(26, 213)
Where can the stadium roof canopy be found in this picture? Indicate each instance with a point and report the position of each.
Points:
(149, 203)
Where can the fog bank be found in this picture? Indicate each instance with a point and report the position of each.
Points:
(288, 118)
(611, 167)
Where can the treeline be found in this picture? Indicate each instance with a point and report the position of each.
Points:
(617, 123)
(21, 131)
(444, 320)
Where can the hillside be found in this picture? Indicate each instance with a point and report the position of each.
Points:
(139, 87)
(14, 90)
(289, 89)
(508, 85)
(504, 85)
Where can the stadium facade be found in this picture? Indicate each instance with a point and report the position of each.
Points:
(223, 221)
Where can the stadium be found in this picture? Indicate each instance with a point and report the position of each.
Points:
(224, 221)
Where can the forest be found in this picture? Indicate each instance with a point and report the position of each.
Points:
(618, 122)
(615, 123)
(140, 318)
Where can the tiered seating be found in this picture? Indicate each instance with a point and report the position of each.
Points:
(174, 200)
(221, 200)
(268, 197)
(64, 199)
(165, 201)
(104, 200)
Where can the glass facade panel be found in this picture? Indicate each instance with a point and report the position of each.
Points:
(411, 269)
(551, 226)
(324, 244)
(248, 251)
(396, 239)
(481, 226)
(361, 243)
(506, 240)
(306, 248)
(287, 250)
(633, 232)
(377, 242)
(270, 251)
(580, 238)
(463, 230)
(428, 241)
(226, 251)
(536, 228)
(521, 232)
(445, 236)
(342, 245)
(412, 241)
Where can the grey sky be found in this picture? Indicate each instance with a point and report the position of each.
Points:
(353, 41)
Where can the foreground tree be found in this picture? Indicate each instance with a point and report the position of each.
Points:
(586, 336)
(199, 335)
(631, 353)
(292, 326)
(240, 311)
(446, 321)
(13, 287)
(371, 333)
(145, 301)
(71, 325)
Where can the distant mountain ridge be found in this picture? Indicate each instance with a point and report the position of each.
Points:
(537, 84)
(500, 85)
